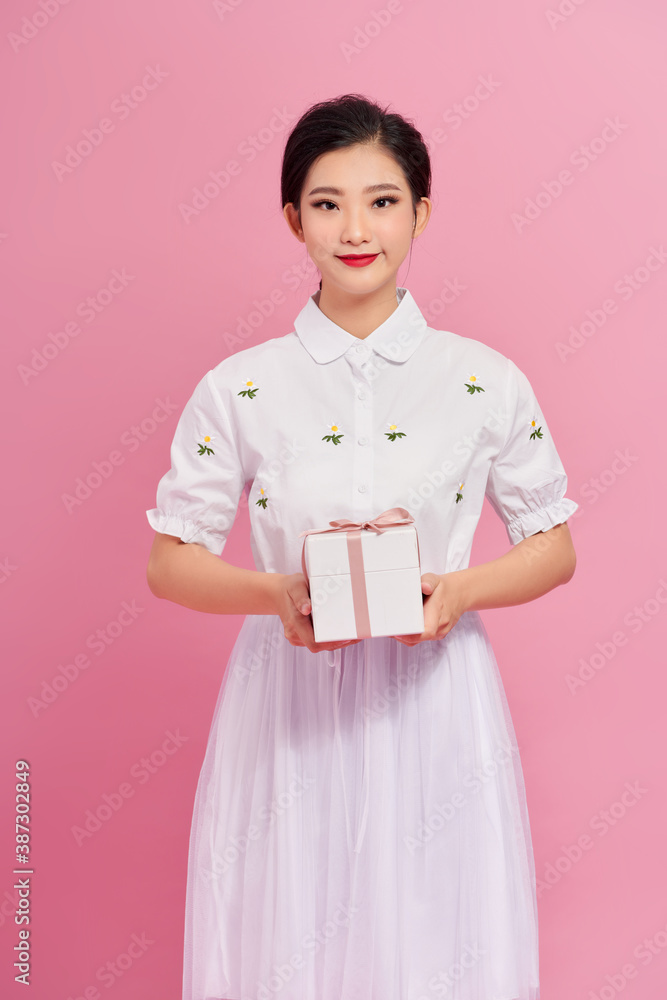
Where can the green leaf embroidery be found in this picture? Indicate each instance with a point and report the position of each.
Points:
(335, 436)
(250, 389)
(262, 500)
(471, 385)
(459, 495)
(392, 433)
(205, 449)
(537, 433)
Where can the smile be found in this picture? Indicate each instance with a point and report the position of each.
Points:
(358, 260)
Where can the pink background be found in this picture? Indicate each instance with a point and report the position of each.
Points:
(220, 72)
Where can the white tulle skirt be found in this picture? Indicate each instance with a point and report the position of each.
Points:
(360, 829)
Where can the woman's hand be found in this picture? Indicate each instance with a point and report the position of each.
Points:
(443, 607)
(294, 607)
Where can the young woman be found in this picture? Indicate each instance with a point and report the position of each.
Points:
(360, 826)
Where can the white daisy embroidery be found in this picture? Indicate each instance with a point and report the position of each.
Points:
(393, 433)
(205, 445)
(472, 385)
(249, 389)
(335, 434)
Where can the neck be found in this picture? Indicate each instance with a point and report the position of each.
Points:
(358, 314)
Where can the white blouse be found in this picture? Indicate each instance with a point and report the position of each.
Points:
(317, 425)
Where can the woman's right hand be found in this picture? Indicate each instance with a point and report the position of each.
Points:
(293, 606)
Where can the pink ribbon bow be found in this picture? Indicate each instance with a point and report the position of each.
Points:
(388, 518)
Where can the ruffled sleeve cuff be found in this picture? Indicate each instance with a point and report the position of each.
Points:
(540, 519)
(187, 531)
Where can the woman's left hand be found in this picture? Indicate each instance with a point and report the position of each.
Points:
(443, 607)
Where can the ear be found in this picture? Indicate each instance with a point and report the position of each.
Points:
(292, 218)
(423, 212)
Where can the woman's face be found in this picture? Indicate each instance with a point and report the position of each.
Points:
(341, 215)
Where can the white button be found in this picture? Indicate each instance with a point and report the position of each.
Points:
(361, 395)
(363, 440)
(362, 488)
(360, 348)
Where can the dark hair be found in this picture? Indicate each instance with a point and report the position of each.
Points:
(346, 121)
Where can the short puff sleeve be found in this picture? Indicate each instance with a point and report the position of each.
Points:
(198, 498)
(527, 483)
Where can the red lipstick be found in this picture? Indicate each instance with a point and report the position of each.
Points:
(358, 260)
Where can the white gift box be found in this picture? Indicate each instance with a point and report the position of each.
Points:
(364, 582)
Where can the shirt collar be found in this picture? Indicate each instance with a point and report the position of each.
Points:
(396, 339)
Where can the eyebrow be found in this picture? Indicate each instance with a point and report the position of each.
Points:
(368, 190)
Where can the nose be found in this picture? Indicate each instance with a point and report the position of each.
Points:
(356, 227)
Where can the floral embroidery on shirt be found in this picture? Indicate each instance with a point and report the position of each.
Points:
(459, 495)
(335, 435)
(262, 500)
(392, 433)
(471, 385)
(205, 448)
(250, 389)
(537, 431)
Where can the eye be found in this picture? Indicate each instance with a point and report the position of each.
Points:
(388, 198)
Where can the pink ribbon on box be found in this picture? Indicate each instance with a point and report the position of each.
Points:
(388, 518)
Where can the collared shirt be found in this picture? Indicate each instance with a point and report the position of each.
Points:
(318, 425)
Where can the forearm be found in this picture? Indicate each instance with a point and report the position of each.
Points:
(530, 569)
(190, 575)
